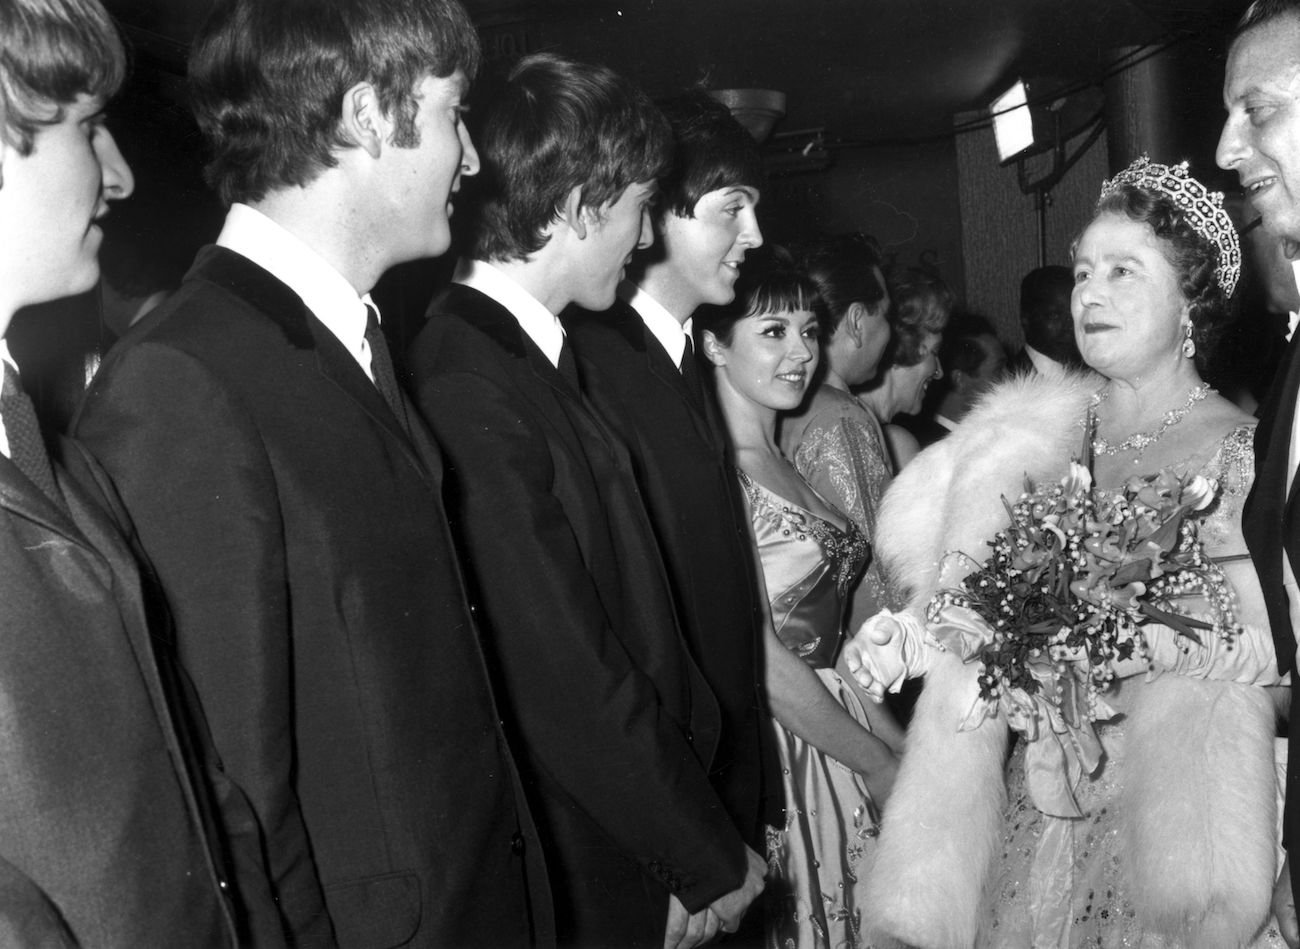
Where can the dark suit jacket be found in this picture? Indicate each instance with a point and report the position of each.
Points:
(1020, 364)
(101, 834)
(1271, 524)
(616, 724)
(301, 541)
(688, 480)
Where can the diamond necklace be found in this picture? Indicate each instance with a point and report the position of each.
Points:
(1140, 441)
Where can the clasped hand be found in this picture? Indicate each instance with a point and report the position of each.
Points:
(887, 649)
(686, 930)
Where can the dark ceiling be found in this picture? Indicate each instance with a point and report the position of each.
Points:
(864, 70)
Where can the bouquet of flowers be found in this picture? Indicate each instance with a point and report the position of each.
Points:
(1069, 584)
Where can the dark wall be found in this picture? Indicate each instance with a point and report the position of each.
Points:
(907, 197)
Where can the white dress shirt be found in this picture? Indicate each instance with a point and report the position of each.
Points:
(542, 326)
(4, 438)
(1044, 365)
(1292, 460)
(662, 325)
(322, 289)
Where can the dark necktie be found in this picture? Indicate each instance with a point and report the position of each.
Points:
(381, 364)
(26, 448)
(691, 375)
(568, 366)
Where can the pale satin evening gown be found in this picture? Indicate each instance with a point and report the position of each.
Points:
(816, 859)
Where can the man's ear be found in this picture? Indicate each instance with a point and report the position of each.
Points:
(714, 351)
(854, 317)
(575, 215)
(362, 120)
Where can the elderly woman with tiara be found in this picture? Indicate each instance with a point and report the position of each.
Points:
(1143, 814)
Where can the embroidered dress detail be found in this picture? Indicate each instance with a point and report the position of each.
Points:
(816, 858)
(846, 548)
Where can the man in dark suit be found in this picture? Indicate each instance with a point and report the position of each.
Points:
(103, 839)
(617, 726)
(638, 367)
(973, 362)
(1261, 143)
(1045, 320)
(290, 499)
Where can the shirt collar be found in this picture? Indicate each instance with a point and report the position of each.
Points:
(1044, 365)
(542, 326)
(661, 324)
(1293, 317)
(322, 289)
(5, 357)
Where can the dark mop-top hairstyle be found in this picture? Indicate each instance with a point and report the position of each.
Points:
(557, 125)
(51, 52)
(267, 80)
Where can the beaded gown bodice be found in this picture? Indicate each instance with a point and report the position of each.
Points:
(809, 565)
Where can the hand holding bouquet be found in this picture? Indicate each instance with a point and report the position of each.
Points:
(1064, 595)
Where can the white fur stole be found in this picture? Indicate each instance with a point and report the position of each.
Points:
(944, 820)
(1199, 810)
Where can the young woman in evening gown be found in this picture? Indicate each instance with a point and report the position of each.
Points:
(837, 774)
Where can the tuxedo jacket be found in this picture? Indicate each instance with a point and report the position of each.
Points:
(615, 722)
(1271, 524)
(103, 838)
(688, 479)
(300, 539)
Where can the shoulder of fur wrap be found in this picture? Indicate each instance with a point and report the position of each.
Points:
(950, 496)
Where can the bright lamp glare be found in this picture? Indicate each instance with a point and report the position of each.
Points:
(1012, 126)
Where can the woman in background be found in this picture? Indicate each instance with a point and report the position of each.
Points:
(922, 305)
(764, 349)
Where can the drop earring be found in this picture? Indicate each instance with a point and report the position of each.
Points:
(1189, 346)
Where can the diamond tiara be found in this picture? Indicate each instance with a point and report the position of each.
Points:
(1203, 209)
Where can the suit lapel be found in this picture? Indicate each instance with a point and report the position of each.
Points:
(527, 362)
(660, 364)
(548, 374)
(19, 495)
(282, 306)
(1272, 446)
(577, 410)
(82, 525)
(104, 535)
(1269, 516)
(1273, 435)
(338, 366)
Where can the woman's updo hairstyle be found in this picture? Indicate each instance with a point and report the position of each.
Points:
(1194, 257)
(922, 304)
(771, 281)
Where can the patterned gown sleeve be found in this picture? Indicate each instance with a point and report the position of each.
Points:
(844, 459)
